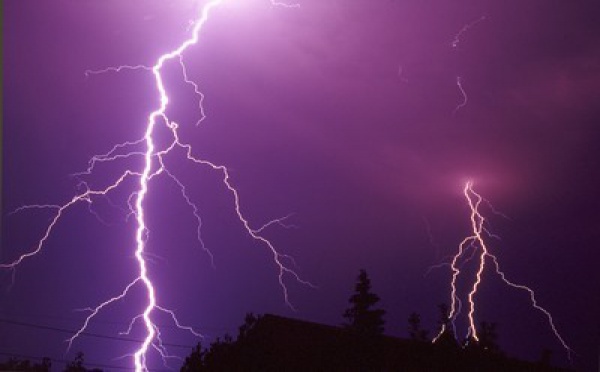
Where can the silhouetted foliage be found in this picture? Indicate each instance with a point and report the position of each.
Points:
(446, 340)
(194, 361)
(415, 332)
(219, 354)
(225, 354)
(365, 325)
(77, 365)
(362, 318)
(15, 364)
(249, 323)
(488, 338)
(273, 343)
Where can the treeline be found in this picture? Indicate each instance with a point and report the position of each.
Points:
(272, 343)
(45, 365)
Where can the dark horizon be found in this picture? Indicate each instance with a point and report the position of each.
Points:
(405, 344)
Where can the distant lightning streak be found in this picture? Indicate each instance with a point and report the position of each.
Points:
(455, 43)
(463, 93)
(153, 165)
(476, 241)
(464, 29)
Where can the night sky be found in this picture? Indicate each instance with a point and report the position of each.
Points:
(341, 114)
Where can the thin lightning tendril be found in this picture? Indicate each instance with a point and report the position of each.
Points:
(89, 73)
(476, 242)
(463, 93)
(454, 44)
(153, 166)
(465, 28)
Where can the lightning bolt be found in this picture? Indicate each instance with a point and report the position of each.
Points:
(463, 94)
(153, 166)
(465, 28)
(454, 44)
(481, 252)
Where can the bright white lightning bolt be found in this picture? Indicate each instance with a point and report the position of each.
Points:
(154, 166)
(476, 242)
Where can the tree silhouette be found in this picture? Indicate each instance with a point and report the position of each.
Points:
(77, 365)
(227, 354)
(14, 364)
(415, 332)
(447, 339)
(273, 343)
(362, 318)
(488, 338)
(249, 322)
(365, 324)
(194, 361)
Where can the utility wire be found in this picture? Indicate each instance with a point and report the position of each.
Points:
(222, 329)
(89, 334)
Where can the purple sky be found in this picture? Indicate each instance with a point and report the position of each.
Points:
(340, 112)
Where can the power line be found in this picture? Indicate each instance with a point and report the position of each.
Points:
(38, 316)
(89, 334)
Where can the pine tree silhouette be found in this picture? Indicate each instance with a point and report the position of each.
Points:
(362, 318)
